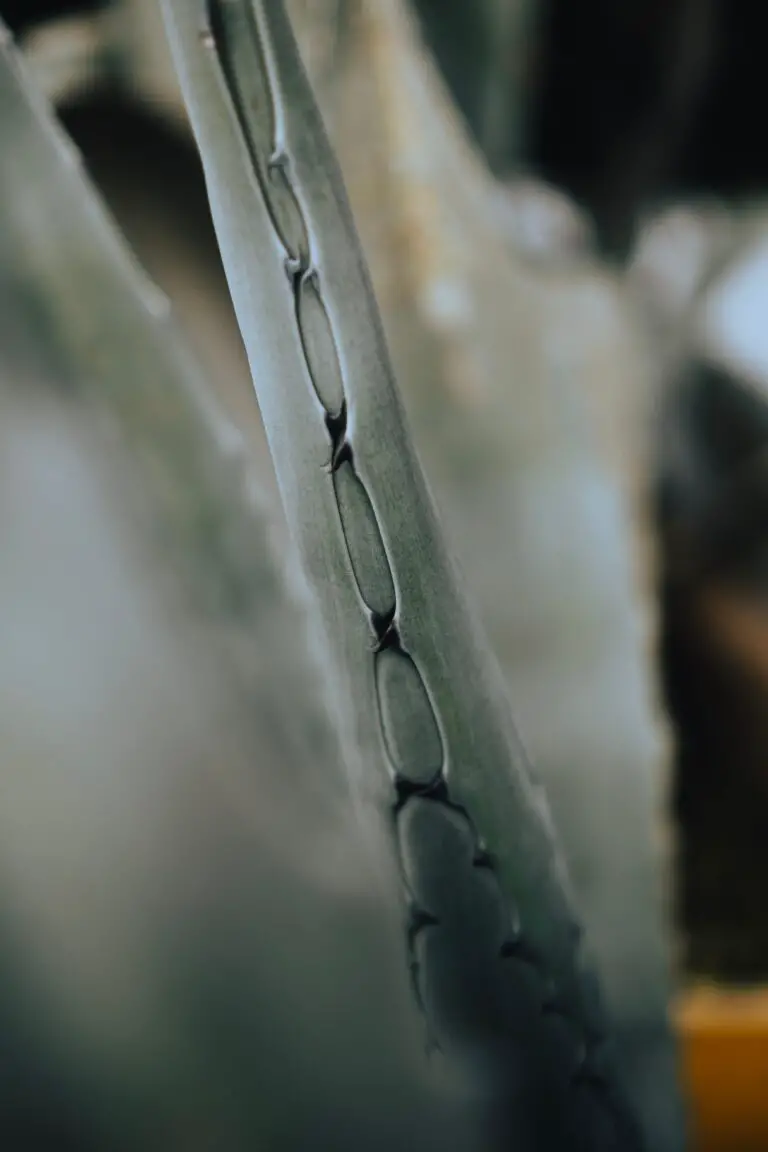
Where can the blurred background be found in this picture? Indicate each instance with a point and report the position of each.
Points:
(565, 209)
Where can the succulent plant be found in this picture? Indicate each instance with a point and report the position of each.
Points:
(496, 954)
(458, 830)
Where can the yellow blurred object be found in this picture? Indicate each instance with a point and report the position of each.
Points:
(724, 1039)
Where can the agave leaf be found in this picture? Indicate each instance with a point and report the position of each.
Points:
(529, 387)
(173, 757)
(497, 955)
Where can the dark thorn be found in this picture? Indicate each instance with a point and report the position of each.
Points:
(341, 455)
(390, 638)
(515, 948)
(337, 425)
(278, 161)
(383, 625)
(484, 859)
(337, 430)
(418, 920)
(435, 789)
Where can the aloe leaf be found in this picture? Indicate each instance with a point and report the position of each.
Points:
(496, 952)
(224, 722)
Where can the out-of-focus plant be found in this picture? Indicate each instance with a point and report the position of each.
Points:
(701, 274)
(484, 49)
(176, 824)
